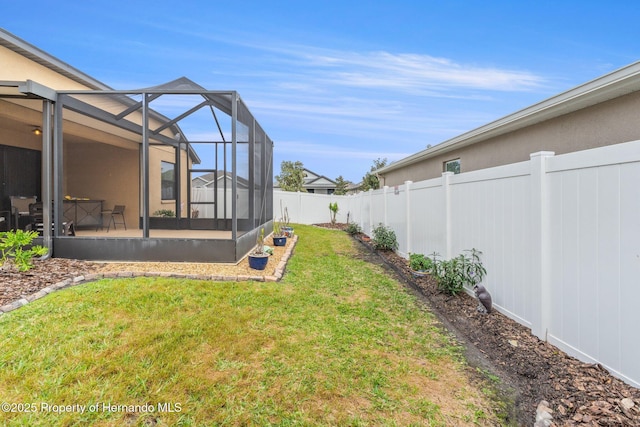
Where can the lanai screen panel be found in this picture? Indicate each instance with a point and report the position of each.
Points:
(208, 141)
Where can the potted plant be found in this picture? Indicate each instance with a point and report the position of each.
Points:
(420, 265)
(259, 256)
(286, 229)
(279, 238)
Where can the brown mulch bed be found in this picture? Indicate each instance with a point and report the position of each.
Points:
(15, 285)
(530, 370)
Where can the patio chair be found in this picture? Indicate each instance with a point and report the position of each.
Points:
(117, 211)
(36, 212)
(20, 210)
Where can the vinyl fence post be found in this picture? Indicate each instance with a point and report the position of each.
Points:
(385, 194)
(446, 177)
(370, 212)
(361, 200)
(540, 246)
(407, 215)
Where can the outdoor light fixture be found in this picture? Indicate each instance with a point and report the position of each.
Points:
(36, 130)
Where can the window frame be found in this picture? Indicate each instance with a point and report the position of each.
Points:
(456, 170)
(163, 186)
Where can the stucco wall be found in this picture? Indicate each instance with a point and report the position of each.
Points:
(18, 68)
(607, 123)
(156, 156)
(104, 172)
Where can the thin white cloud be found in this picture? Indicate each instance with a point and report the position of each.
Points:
(417, 72)
(305, 66)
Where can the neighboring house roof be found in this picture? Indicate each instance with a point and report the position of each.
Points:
(320, 182)
(208, 180)
(613, 85)
(313, 180)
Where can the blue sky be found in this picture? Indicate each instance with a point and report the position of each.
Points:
(338, 84)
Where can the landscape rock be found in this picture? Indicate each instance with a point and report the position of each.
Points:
(543, 415)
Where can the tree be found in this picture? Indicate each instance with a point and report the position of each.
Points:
(370, 181)
(341, 186)
(291, 176)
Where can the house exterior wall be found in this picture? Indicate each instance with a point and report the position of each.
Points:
(318, 190)
(104, 172)
(611, 122)
(156, 156)
(18, 68)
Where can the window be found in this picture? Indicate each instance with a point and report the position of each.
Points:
(452, 166)
(168, 186)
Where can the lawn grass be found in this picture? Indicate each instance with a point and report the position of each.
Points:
(336, 342)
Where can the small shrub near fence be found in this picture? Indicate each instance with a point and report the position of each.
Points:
(353, 228)
(453, 274)
(384, 238)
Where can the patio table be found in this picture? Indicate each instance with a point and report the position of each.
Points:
(83, 212)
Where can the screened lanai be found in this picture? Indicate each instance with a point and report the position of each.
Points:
(191, 167)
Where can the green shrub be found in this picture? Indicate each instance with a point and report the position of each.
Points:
(353, 228)
(12, 249)
(448, 274)
(333, 208)
(167, 213)
(452, 275)
(384, 238)
(474, 271)
(419, 262)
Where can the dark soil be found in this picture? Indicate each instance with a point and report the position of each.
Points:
(579, 394)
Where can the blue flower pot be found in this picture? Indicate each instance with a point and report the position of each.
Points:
(280, 241)
(258, 262)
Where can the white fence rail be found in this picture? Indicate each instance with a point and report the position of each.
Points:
(560, 237)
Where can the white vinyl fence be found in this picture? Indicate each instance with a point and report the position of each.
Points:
(560, 237)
